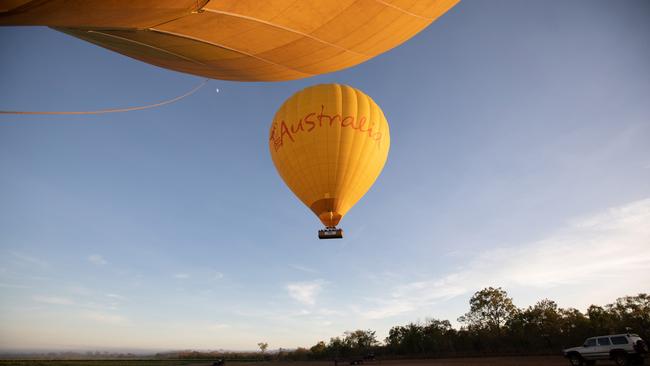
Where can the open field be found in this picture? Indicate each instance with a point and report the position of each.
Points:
(485, 361)
(115, 362)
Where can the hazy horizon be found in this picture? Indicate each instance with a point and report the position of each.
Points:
(144, 351)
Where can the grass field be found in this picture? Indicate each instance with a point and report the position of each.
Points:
(485, 361)
(116, 362)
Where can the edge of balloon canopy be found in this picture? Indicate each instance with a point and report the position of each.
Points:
(239, 40)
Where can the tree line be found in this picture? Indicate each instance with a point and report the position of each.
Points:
(492, 326)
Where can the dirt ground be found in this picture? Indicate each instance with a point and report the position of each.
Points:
(477, 361)
(484, 361)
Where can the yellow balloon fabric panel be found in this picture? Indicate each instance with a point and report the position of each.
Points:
(244, 40)
(329, 144)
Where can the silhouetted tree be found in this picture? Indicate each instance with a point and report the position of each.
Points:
(490, 309)
(361, 339)
(319, 350)
(494, 325)
(632, 312)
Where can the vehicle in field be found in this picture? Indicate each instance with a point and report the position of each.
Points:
(368, 358)
(624, 349)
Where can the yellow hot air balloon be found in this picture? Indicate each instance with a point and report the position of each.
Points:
(245, 40)
(329, 144)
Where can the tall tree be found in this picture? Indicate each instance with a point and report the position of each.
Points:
(263, 346)
(407, 339)
(490, 309)
(633, 313)
(319, 349)
(361, 339)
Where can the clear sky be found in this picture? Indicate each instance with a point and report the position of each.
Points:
(520, 157)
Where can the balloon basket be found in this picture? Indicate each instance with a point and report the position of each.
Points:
(330, 233)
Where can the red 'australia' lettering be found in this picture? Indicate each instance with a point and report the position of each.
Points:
(311, 123)
(307, 124)
(284, 131)
(362, 121)
(272, 134)
(350, 123)
(299, 128)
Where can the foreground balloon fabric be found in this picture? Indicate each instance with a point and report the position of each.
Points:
(329, 144)
(246, 40)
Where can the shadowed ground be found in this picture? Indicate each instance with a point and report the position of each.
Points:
(484, 361)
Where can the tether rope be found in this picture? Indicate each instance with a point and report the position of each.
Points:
(117, 110)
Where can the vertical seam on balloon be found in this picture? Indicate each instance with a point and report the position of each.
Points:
(284, 169)
(349, 167)
(348, 179)
(314, 142)
(337, 184)
(289, 150)
(363, 169)
(231, 49)
(332, 158)
(305, 176)
(314, 171)
(342, 184)
(376, 171)
(309, 179)
(316, 93)
(326, 161)
(291, 30)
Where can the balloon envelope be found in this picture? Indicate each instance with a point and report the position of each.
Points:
(329, 144)
(246, 40)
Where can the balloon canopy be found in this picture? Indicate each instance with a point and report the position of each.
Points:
(329, 144)
(245, 40)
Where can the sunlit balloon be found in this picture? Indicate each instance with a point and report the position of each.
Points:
(329, 144)
(246, 40)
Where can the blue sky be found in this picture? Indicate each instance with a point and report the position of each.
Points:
(520, 158)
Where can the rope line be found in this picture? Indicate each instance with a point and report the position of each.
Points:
(117, 110)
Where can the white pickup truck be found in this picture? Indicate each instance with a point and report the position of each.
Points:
(624, 349)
